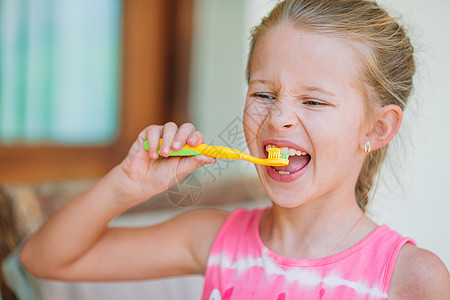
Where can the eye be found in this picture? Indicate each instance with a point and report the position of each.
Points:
(315, 102)
(264, 96)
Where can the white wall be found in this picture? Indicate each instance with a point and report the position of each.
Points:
(217, 86)
(422, 210)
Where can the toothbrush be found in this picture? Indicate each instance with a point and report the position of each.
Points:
(275, 157)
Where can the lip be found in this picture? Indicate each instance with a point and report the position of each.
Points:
(280, 144)
(279, 177)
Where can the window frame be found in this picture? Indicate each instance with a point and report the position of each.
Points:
(156, 49)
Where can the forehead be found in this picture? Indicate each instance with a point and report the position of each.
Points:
(285, 54)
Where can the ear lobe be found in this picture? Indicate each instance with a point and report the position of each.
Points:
(386, 125)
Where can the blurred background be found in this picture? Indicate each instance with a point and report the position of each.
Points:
(80, 79)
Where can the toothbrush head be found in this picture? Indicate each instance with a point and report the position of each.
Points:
(274, 152)
(276, 159)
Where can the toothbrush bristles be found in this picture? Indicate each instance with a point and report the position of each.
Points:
(274, 152)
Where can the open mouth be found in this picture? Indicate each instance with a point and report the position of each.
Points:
(298, 159)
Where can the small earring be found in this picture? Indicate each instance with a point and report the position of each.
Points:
(367, 147)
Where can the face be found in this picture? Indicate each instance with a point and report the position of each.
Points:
(304, 95)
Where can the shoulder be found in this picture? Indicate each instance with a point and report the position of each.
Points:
(419, 274)
(203, 222)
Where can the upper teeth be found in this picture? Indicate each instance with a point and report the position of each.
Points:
(287, 150)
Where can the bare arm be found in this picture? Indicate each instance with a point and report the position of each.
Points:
(76, 243)
(419, 274)
(179, 246)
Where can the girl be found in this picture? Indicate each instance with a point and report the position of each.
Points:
(328, 79)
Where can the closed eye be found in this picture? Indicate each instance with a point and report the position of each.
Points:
(315, 103)
(264, 96)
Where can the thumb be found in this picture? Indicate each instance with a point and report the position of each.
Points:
(189, 164)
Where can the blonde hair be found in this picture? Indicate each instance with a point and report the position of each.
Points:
(382, 47)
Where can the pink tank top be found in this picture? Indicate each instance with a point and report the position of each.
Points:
(240, 266)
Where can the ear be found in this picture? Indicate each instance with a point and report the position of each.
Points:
(385, 126)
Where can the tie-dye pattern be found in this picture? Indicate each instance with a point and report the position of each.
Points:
(240, 266)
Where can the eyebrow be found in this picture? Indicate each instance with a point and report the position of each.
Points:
(307, 88)
(318, 89)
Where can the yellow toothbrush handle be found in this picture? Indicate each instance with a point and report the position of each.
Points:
(229, 153)
(218, 151)
(215, 151)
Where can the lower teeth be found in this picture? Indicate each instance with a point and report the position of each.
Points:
(281, 172)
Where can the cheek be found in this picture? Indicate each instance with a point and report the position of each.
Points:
(250, 129)
(254, 111)
(345, 141)
(335, 136)
(253, 118)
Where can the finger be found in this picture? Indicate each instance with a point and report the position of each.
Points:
(181, 136)
(169, 131)
(154, 133)
(195, 139)
(189, 164)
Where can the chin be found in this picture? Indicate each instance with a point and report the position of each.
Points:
(286, 201)
(283, 196)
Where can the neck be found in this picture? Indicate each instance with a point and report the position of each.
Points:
(314, 229)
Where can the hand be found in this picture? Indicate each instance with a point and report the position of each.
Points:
(146, 173)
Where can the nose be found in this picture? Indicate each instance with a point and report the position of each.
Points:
(282, 117)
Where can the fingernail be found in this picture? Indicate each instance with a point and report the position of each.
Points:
(155, 155)
(193, 139)
(209, 159)
(177, 144)
(166, 150)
